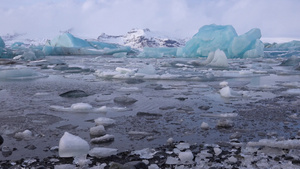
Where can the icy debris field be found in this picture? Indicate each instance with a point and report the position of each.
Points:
(179, 112)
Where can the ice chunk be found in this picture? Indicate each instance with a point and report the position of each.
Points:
(68, 40)
(104, 121)
(80, 107)
(145, 153)
(26, 135)
(204, 126)
(209, 38)
(172, 160)
(217, 151)
(98, 130)
(71, 146)
(217, 58)
(226, 92)
(101, 152)
(246, 42)
(19, 74)
(103, 139)
(186, 157)
(183, 146)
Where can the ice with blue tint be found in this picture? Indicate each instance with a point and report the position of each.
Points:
(67, 44)
(208, 39)
(2, 44)
(292, 45)
(212, 37)
(247, 45)
(158, 52)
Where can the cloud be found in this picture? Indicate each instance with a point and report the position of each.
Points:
(90, 18)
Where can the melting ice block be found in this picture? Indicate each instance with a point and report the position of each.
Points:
(217, 58)
(101, 152)
(72, 146)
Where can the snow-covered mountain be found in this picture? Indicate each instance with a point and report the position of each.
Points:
(140, 38)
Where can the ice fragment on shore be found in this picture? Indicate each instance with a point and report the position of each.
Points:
(97, 130)
(103, 139)
(186, 157)
(71, 146)
(172, 160)
(105, 121)
(101, 152)
(183, 146)
(217, 151)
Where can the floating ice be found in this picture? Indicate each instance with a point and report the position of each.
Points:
(209, 38)
(79, 107)
(145, 153)
(67, 44)
(158, 52)
(103, 139)
(71, 146)
(217, 59)
(26, 135)
(226, 92)
(212, 37)
(204, 126)
(101, 152)
(247, 45)
(97, 130)
(284, 144)
(104, 121)
(19, 74)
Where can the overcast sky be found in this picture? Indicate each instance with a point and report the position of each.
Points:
(181, 18)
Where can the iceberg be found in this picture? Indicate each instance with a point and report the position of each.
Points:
(209, 38)
(247, 44)
(224, 37)
(2, 44)
(286, 46)
(67, 44)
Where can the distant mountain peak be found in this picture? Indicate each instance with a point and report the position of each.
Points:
(140, 38)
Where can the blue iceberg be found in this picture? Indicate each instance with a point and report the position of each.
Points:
(247, 45)
(67, 44)
(224, 37)
(2, 44)
(208, 39)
